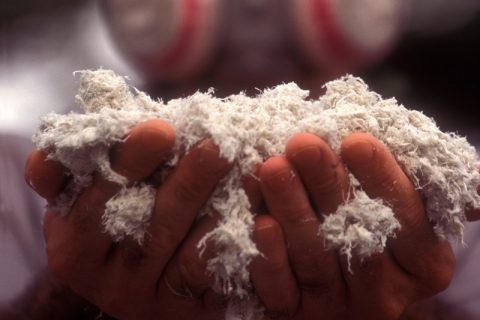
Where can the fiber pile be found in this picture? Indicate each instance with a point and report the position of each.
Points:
(248, 130)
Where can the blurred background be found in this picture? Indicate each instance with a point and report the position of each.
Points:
(432, 65)
(423, 52)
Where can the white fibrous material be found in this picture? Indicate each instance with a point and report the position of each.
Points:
(231, 236)
(248, 130)
(361, 226)
(128, 212)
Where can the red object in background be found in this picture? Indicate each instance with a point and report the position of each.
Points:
(165, 39)
(345, 35)
(177, 40)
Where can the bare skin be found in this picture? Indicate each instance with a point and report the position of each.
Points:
(126, 280)
(167, 277)
(414, 266)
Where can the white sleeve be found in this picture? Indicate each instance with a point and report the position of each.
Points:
(21, 243)
(463, 294)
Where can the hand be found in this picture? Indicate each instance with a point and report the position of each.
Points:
(311, 181)
(473, 214)
(128, 281)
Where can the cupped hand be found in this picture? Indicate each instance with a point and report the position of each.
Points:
(164, 278)
(304, 280)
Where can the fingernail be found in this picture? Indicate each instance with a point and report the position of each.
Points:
(209, 158)
(281, 182)
(153, 140)
(365, 151)
(265, 234)
(309, 157)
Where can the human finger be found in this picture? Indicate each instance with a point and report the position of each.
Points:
(185, 288)
(416, 247)
(316, 269)
(47, 177)
(272, 277)
(178, 202)
(471, 213)
(81, 241)
(321, 170)
(180, 199)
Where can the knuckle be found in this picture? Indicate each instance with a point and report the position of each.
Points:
(324, 186)
(439, 274)
(163, 243)
(296, 214)
(191, 268)
(316, 283)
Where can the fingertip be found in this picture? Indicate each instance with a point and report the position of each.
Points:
(146, 146)
(272, 167)
(358, 149)
(153, 137)
(277, 177)
(156, 135)
(44, 176)
(307, 152)
(301, 141)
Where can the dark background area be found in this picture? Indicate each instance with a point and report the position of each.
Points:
(437, 74)
(14, 9)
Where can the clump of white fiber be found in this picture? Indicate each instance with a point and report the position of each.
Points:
(443, 166)
(128, 212)
(360, 226)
